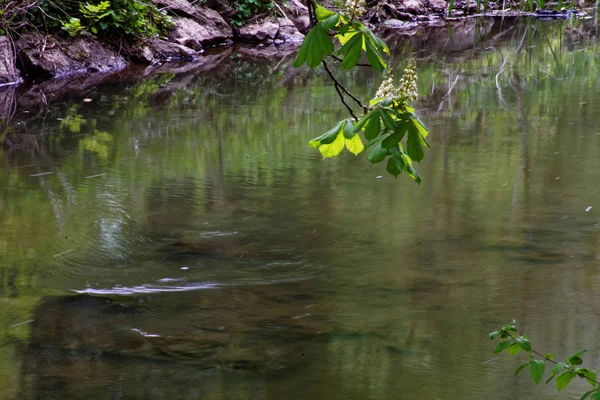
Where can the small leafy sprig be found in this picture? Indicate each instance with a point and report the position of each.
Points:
(564, 371)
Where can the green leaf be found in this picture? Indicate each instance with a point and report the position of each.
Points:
(494, 335)
(413, 146)
(423, 133)
(563, 380)
(355, 145)
(537, 370)
(329, 136)
(331, 22)
(379, 44)
(409, 168)
(596, 396)
(316, 45)
(557, 368)
(578, 354)
(378, 139)
(361, 123)
(323, 13)
(333, 149)
(351, 51)
(324, 42)
(303, 50)
(575, 361)
(373, 127)
(514, 348)
(395, 165)
(377, 154)
(587, 374)
(388, 121)
(524, 343)
(522, 367)
(349, 132)
(549, 356)
(586, 394)
(392, 140)
(374, 57)
(501, 346)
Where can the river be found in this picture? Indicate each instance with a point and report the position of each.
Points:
(176, 237)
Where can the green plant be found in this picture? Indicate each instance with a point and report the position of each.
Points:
(244, 9)
(111, 19)
(388, 118)
(564, 371)
(73, 27)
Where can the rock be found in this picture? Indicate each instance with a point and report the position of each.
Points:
(437, 5)
(191, 34)
(302, 23)
(55, 58)
(204, 15)
(160, 50)
(8, 72)
(413, 6)
(388, 11)
(259, 32)
(210, 17)
(393, 23)
(288, 31)
(298, 14)
(177, 7)
(268, 53)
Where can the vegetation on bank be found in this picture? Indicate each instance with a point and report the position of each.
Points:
(111, 19)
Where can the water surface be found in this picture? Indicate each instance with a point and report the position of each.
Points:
(177, 238)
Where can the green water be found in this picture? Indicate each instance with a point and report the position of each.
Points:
(188, 244)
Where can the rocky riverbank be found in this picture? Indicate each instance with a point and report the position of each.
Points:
(195, 28)
(34, 56)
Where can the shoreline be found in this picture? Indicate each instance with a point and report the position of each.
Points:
(84, 61)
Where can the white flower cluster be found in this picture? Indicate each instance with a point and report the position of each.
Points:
(408, 82)
(387, 88)
(356, 8)
(408, 85)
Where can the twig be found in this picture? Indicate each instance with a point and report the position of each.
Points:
(337, 89)
(361, 105)
(569, 366)
(280, 9)
(340, 60)
(340, 89)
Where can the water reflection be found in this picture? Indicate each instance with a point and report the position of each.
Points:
(188, 243)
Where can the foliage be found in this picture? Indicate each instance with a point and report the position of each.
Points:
(13, 14)
(388, 118)
(111, 19)
(564, 371)
(244, 9)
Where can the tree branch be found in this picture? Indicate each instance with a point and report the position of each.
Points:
(343, 89)
(340, 60)
(340, 89)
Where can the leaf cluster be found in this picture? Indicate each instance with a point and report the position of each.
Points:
(353, 36)
(387, 121)
(244, 9)
(564, 371)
